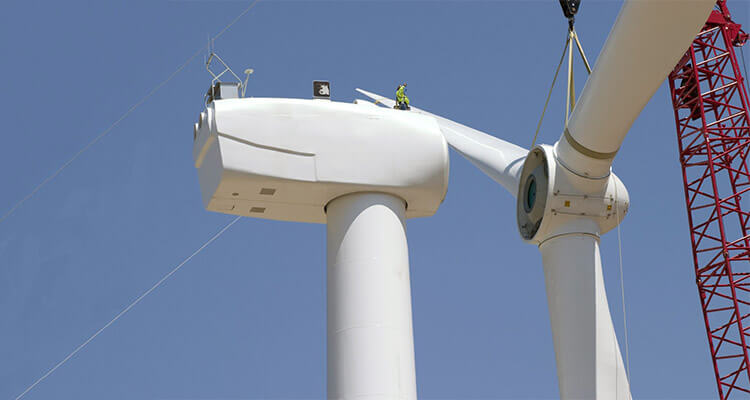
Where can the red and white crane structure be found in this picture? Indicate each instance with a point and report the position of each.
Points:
(711, 111)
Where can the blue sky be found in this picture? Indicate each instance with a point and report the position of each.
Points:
(246, 317)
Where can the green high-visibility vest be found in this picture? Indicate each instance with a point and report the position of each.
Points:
(401, 96)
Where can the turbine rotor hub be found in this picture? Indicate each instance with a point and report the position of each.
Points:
(552, 200)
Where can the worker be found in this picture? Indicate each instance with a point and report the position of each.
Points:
(402, 100)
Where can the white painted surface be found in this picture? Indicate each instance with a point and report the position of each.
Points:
(370, 339)
(589, 364)
(308, 152)
(646, 42)
(569, 197)
(500, 160)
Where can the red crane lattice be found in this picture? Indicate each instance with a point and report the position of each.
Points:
(711, 111)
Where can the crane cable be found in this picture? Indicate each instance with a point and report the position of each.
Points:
(546, 102)
(122, 117)
(572, 36)
(130, 306)
(622, 291)
(744, 66)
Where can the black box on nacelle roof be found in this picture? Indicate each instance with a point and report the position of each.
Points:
(223, 90)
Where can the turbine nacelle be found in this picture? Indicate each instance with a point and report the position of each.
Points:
(286, 159)
(552, 200)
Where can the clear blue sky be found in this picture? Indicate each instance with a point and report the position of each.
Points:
(246, 318)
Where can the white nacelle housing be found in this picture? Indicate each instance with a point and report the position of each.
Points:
(285, 159)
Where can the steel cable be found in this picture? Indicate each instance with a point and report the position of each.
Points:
(549, 95)
(83, 150)
(117, 122)
(622, 291)
(131, 305)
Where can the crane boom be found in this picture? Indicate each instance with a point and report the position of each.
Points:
(713, 130)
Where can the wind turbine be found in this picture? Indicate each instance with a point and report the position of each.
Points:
(567, 195)
(360, 169)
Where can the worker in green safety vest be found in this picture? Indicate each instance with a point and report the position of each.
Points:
(402, 100)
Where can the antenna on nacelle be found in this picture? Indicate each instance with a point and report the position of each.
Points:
(248, 72)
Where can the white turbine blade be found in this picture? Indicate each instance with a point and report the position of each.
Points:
(378, 98)
(589, 363)
(645, 43)
(500, 160)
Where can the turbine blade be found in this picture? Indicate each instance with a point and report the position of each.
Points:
(646, 41)
(378, 98)
(500, 160)
(589, 363)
